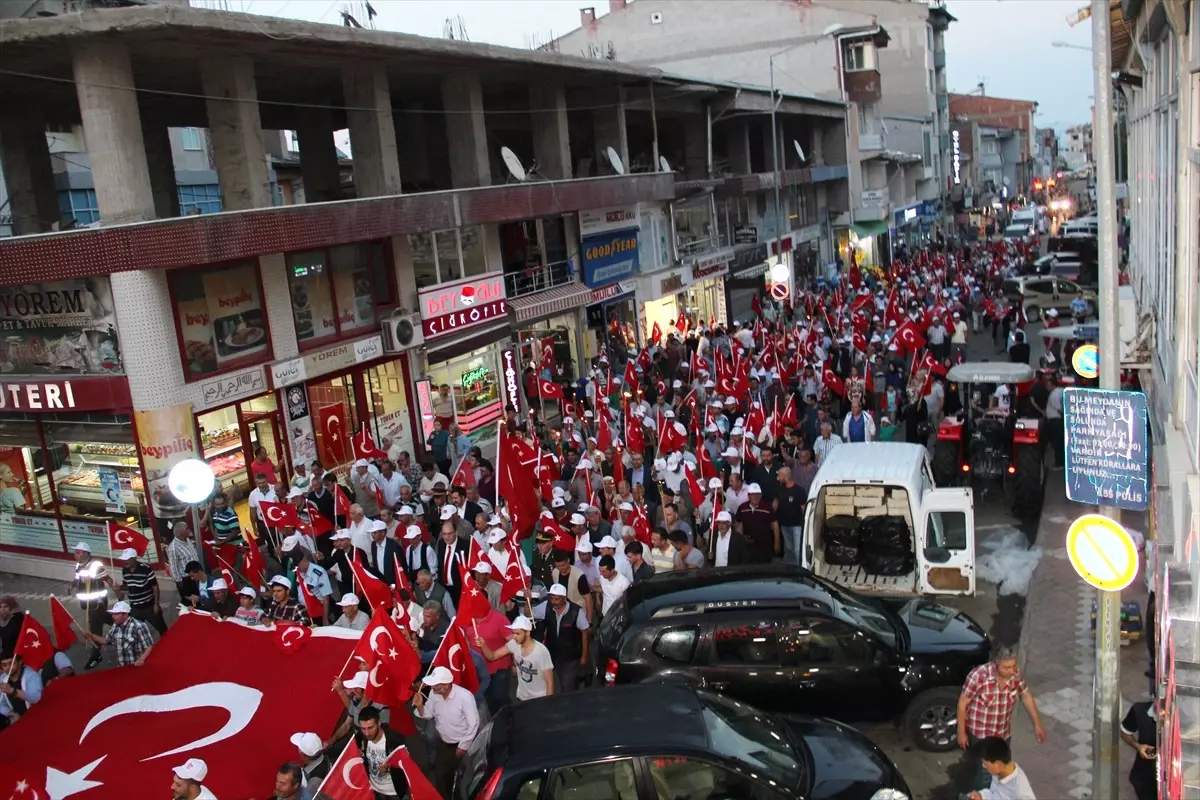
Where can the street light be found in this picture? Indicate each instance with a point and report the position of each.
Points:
(191, 480)
(1071, 46)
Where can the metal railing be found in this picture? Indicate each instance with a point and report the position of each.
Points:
(531, 280)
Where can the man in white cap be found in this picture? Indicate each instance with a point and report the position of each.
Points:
(187, 781)
(531, 659)
(612, 584)
(90, 587)
(383, 554)
(139, 588)
(312, 759)
(455, 716)
(608, 546)
(219, 601)
(283, 608)
(565, 634)
(416, 555)
(359, 526)
(362, 481)
(728, 548)
(351, 617)
(130, 637)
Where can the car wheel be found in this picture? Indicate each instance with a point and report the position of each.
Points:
(1033, 313)
(932, 720)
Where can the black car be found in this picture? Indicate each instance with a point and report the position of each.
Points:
(779, 637)
(667, 741)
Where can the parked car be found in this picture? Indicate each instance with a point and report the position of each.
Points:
(652, 742)
(1041, 293)
(778, 637)
(1019, 232)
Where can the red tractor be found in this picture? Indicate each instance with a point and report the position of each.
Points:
(988, 442)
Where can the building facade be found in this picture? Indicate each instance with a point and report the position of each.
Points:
(1077, 146)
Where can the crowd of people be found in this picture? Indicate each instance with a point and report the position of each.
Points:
(696, 450)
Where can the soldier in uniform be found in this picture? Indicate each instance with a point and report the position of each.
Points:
(91, 585)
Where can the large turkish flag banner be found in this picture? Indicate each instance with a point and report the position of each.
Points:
(117, 734)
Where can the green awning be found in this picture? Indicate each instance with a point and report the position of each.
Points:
(873, 227)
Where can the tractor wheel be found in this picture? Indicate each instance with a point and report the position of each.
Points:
(1028, 483)
(945, 462)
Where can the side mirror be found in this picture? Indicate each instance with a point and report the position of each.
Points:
(936, 555)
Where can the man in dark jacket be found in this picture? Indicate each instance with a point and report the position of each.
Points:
(376, 742)
(728, 548)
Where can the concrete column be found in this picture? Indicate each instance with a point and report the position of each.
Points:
(816, 149)
(28, 173)
(551, 138)
(608, 130)
(695, 147)
(738, 145)
(372, 130)
(162, 168)
(466, 131)
(236, 130)
(112, 128)
(318, 156)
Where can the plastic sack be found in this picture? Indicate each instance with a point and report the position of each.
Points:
(877, 563)
(844, 537)
(888, 536)
(841, 555)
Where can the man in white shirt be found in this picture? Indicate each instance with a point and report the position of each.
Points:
(612, 583)
(825, 442)
(1003, 397)
(721, 540)
(262, 491)
(531, 660)
(455, 716)
(390, 482)
(186, 782)
(360, 528)
(1008, 779)
(608, 547)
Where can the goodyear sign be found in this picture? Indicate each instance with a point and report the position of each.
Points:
(610, 256)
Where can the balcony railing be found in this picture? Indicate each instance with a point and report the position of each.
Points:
(538, 279)
(691, 247)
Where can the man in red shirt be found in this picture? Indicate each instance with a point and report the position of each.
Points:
(986, 705)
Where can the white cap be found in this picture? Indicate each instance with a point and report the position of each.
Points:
(359, 681)
(724, 516)
(340, 535)
(494, 520)
(521, 623)
(128, 554)
(483, 568)
(362, 462)
(714, 483)
(279, 580)
(448, 511)
(296, 492)
(557, 502)
(290, 543)
(738, 432)
(625, 507)
(676, 384)
(588, 413)
(577, 519)
(607, 541)
(496, 535)
(219, 584)
(584, 545)
(558, 491)
(711, 428)
(348, 599)
(84, 547)
(412, 532)
(754, 488)
(299, 465)
(673, 461)
(378, 525)
(406, 510)
(307, 743)
(558, 590)
(192, 770)
(731, 452)
(568, 421)
(668, 414)
(247, 591)
(120, 607)
(586, 463)
(438, 676)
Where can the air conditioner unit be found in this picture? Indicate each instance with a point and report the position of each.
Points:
(402, 331)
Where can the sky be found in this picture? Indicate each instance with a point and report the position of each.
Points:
(1006, 44)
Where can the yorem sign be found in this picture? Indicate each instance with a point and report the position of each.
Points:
(610, 257)
(447, 308)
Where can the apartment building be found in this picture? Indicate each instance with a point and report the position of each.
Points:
(1077, 146)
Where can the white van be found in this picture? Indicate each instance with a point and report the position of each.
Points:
(1027, 216)
(876, 523)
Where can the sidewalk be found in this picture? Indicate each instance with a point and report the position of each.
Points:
(1058, 656)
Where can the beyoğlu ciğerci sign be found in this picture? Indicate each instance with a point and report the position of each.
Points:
(453, 307)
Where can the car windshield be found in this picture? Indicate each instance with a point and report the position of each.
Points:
(1016, 230)
(864, 614)
(752, 737)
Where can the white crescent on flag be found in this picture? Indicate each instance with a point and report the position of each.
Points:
(122, 536)
(456, 649)
(274, 514)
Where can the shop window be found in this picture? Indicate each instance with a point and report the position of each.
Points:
(474, 382)
(388, 395)
(447, 256)
(694, 230)
(220, 318)
(80, 205)
(348, 277)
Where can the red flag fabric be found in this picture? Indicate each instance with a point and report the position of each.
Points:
(312, 603)
(33, 644)
(618, 469)
(364, 445)
(120, 537)
(694, 487)
(549, 389)
(562, 539)
(279, 515)
(643, 359)
(235, 718)
(604, 437)
(515, 577)
(630, 378)
(928, 362)
(707, 468)
(515, 481)
(832, 382)
(455, 655)
(253, 564)
(473, 602)
(348, 778)
(317, 522)
(392, 666)
(341, 502)
(908, 337)
(419, 787)
(464, 475)
(789, 411)
(61, 620)
(635, 437)
(374, 591)
(641, 524)
(401, 575)
(290, 637)
(656, 334)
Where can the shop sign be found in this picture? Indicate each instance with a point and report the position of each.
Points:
(79, 394)
(956, 156)
(710, 265)
(285, 373)
(874, 198)
(512, 388)
(611, 291)
(448, 308)
(368, 349)
(322, 362)
(809, 233)
(745, 234)
(166, 436)
(905, 215)
(671, 284)
(609, 257)
(605, 220)
(750, 257)
(299, 427)
(228, 388)
(928, 209)
(425, 408)
(60, 325)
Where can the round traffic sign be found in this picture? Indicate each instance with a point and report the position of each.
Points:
(779, 291)
(1102, 552)
(1086, 361)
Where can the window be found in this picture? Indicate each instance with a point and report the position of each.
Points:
(676, 644)
(751, 643)
(447, 256)
(948, 529)
(929, 37)
(192, 139)
(291, 141)
(345, 277)
(813, 640)
(683, 778)
(741, 732)
(859, 57)
(204, 198)
(932, 85)
(79, 205)
(608, 780)
(220, 317)
(928, 148)
(989, 147)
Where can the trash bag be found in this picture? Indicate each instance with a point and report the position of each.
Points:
(842, 530)
(886, 536)
(877, 563)
(841, 555)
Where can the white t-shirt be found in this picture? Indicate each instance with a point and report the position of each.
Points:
(1054, 403)
(377, 754)
(531, 669)
(612, 590)
(1003, 399)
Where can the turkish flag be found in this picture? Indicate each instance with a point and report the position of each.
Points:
(33, 644)
(332, 422)
(643, 359)
(634, 435)
(120, 537)
(707, 468)
(317, 522)
(463, 476)
(549, 389)
(348, 778)
(516, 482)
(641, 524)
(374, 591)
(789, 411)
(341, 502)
(455, 654)
(391, 663)
(419, 787)
(290, 637)
(279, 515)
(909, 338)
(603, 429)
(515, 577)
(127, 726)
(694, 487)
(630, 378)
(656, 334)
(832, 382)
(253, 564)
(312, 603)
(930, 363)
(61, 620)
(473, 602)
(364, 445)
(562, 539)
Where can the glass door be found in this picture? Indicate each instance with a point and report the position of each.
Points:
(262, 431)
(388, 398)
(335, 419)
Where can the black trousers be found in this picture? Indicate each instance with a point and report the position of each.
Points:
(445, 763)
(151, 617)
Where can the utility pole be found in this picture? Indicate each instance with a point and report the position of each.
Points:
(1106, 779)
(777, 177)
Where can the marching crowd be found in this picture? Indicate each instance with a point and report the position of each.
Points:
(695, 450)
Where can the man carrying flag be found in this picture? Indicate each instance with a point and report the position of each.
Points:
(376, 742)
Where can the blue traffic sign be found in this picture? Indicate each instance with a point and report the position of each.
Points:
(1107, 448)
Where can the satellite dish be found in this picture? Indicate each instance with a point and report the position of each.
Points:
(615, 160)
(515, 167)
(799, 150)
(663, 166)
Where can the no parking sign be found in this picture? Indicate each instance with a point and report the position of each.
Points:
(779, 291)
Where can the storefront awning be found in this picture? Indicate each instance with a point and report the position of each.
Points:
(551, 301)
(870, 227)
